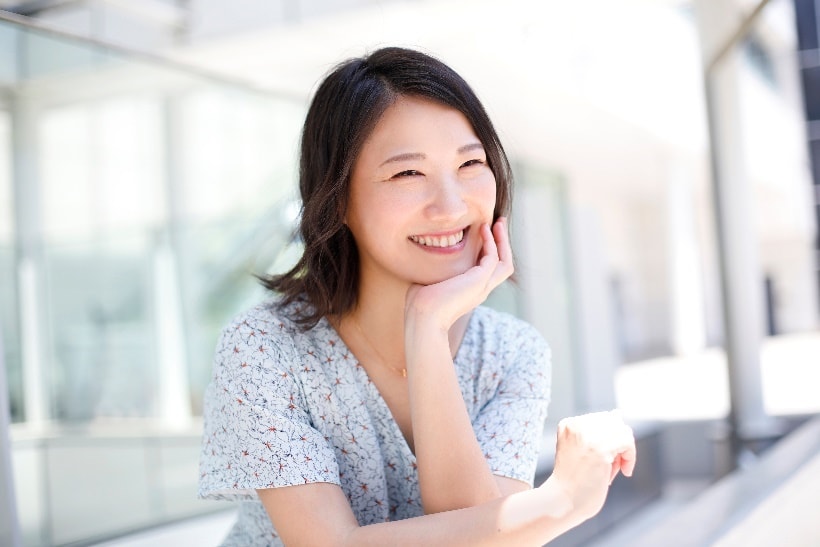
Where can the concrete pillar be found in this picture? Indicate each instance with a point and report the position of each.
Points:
(169, 304)
(597, 348)
(541, 267)
(688, 320)
(29, 259)
(563, 275)
(741, 278)
(172, 373)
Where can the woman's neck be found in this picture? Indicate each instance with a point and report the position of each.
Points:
(380, 314)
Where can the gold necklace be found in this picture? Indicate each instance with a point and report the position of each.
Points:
(403, 371)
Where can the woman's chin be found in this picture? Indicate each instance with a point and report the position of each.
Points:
(441, 275)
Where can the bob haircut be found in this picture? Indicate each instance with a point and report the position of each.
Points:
(345, 109)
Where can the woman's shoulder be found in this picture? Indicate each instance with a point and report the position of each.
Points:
(504, 326)
(269, 326)
(271, 315)
(507, 340)
(509, 349)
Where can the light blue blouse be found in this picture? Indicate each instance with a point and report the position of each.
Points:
(287, 407)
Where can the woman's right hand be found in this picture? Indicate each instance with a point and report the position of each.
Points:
(590, 451)
(444, 302)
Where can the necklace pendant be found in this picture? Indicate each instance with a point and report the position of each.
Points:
(384, 362)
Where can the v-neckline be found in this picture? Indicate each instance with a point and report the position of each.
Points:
(368, 384)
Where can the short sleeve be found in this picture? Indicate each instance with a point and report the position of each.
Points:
(257, 432)
(509, 426)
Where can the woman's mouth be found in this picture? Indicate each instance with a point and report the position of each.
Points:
(439, 241)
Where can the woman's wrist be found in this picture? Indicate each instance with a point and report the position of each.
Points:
(557, 501)
(562, 503)
(421, 320)
(424, 338)
(540, 514)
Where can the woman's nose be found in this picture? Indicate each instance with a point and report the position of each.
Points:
(447, 200)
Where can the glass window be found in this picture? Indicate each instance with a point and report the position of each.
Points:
(101, 330)
(9, 336)
(101, 168)
(230, 230)
(8, 57)
(43, 55)
(152, 196)
(759, 59)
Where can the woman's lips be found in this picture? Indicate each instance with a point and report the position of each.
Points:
(441, 242)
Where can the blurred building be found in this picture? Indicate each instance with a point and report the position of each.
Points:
(807, 13)
(147, 170)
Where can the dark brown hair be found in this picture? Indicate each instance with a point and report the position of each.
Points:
(345, 109)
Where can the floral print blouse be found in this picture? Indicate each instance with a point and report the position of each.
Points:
(286, 407)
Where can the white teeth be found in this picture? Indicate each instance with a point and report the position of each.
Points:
(439, 241)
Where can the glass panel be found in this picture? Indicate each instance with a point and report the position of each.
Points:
(541, 241)
(9, 335)
(42, 55)
(102, 168)
(231, 230)
(8, 57)
(547, 190)
(11, 400)
(102, 342)
(777, 164)
(233, 137)
(150, 197)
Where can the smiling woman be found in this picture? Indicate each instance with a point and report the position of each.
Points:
(373, 400)
(416, 216)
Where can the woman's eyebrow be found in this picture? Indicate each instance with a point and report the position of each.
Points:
(404, 157)
(470, 147)
(419, 156)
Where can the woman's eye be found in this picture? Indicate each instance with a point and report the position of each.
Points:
(408, 173)
(472, 162)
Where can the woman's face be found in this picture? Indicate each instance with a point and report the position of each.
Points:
(420, 190)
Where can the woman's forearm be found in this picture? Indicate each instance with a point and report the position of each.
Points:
(533, 517)
(590, 450)
(453, 471)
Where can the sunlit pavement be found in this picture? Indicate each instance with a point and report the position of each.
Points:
(696, 386)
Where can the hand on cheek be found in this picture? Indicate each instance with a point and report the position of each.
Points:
(446, 301)
(497, 244)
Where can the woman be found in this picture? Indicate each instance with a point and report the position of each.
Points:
(374, 401)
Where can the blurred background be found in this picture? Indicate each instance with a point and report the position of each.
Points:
(667, 162)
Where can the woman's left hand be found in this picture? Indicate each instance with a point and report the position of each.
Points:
(446, 301)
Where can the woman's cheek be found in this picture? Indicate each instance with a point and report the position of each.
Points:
(489, 201)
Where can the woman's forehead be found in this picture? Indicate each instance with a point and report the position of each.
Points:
(414, 125)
